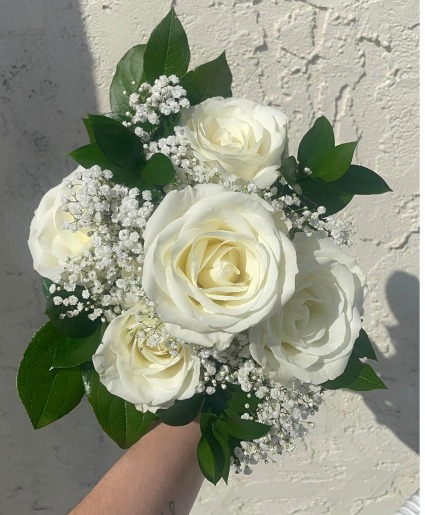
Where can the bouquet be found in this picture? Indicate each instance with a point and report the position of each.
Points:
(193, 267)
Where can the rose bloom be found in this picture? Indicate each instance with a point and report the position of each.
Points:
(216, 263)
(237, 137)
(312, 337)
(50, 244)
(135, 362)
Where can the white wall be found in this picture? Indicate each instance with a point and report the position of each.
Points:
(356, 61)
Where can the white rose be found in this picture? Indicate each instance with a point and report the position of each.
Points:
(216, 263)
(50, 244)
(312, 337)
(237, 137)
(138, 363)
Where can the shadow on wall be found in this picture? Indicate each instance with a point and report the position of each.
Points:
(46, 87)
(398, 407)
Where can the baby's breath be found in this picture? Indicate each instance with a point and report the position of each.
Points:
(152, 103)
(114, 217)
(284, 408)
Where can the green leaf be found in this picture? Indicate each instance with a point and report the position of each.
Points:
(242, 429)
(120, 420)
(212, 79)
(363, 347)
(73, 352)
(120, 146)
(47, 394)
(316, 143)
(45, 284)
(159, 170)
(167, 51)
(206, 419)
(223, 440)
(91, 155)
(77, 327)
(215, 403)
(128, 77)
(317, 193)
(166, 127)
(239, 399)
(357, 376)
(210, 458)
(359, 180)
(289, 170)
(182, 412)
(89, 130)
(335, 163)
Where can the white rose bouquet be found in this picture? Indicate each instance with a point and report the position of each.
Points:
(193, 267)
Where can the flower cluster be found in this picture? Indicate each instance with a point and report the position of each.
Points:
(114, 218)
(217, 286)
(137, 353)
(204, 284)
(154, 102)
(285, 409)
(176, 147)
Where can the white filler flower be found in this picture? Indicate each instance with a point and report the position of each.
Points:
(312, 337)
(138, 362)
(237, 137)
(216, 263)
(49, 242)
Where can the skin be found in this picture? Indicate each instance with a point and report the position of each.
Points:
(158, 475)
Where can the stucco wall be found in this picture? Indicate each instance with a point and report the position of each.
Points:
(354, 61)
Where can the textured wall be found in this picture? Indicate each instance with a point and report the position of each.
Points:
(354, 61)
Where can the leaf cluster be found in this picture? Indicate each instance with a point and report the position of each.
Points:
(223, 429)
(323, 173)
(57, 370)
(221, 424)
(116, 147)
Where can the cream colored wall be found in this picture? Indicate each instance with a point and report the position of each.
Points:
(356, 61)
